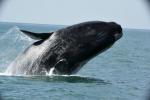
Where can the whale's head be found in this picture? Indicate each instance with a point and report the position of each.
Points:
(86, 40)
(95, 37)
(101, 35)
(98, 32)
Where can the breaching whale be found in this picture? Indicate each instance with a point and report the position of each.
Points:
(65, 50)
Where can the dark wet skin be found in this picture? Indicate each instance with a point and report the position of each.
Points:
(73, 46)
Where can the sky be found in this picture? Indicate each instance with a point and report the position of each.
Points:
(128, 13)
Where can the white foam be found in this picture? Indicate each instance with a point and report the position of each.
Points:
(5, 74)
(50, 73)
(24, 62)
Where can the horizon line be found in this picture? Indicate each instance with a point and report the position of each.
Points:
(63, 25)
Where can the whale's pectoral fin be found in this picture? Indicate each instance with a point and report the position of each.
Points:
(61, 67)
(37, 36)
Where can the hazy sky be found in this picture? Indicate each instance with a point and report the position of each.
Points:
(128, 13)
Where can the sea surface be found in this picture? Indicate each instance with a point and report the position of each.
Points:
(120, 73)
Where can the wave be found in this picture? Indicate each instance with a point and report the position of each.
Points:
(61, 78)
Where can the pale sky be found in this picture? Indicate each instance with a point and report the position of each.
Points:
(128, 13)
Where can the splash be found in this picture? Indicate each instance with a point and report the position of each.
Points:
(50, 73)
(28, 62)
(12, 42)
(24, 62)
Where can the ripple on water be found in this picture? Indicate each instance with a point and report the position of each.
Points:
(69, 79)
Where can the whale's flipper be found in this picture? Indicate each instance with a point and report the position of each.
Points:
(37, 36)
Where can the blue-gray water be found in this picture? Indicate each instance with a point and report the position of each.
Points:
(121, 73)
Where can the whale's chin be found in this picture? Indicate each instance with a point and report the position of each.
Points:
(118, 36)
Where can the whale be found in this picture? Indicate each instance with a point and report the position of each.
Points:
(65, 51)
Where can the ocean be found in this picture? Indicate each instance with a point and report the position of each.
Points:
(120, 73)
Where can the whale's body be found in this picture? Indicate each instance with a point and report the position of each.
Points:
(66, 50)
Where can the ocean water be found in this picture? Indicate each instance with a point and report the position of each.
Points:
(120, 73)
